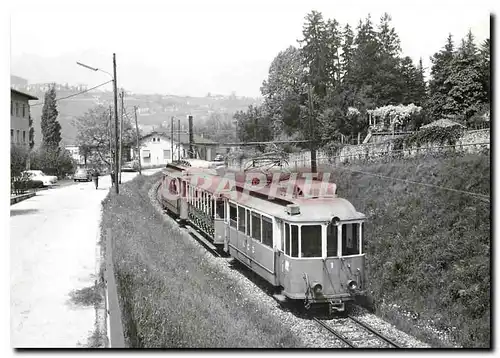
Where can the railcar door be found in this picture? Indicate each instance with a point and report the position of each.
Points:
(220, 221)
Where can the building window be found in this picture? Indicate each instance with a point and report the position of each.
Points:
(157, 139)
(154, 139)
(166, 154)
(12, 136)
(24, 110)
(17, 136)
(146, 154)
(11, 108)
(17, 109)
(24, 136)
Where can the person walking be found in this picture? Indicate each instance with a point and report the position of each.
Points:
(95, 177)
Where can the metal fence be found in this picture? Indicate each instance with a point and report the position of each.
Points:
(383, 156)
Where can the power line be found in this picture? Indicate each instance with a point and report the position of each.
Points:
(480, 196)
(73, 95)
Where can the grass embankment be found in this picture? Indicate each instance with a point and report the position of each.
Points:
(428, 250)
(170, 293)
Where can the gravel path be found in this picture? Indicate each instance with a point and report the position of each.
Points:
(310, 333)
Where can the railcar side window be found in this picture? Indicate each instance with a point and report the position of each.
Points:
(256, 226)
(220, 209)
(233, 215)
(241, 219)
(350, 239)
(295, 241)
(287, 239)
(248, 222)
(331, 240)
(311, 240)
(267, 231)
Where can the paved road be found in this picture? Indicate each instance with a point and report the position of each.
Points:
(52, 253)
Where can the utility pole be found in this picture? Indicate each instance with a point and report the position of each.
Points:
(314, 168)
(137, 132)
(121, 137)
(110, 123)
(116, 124)
(190, 128)
(179, 139)
(172, 136)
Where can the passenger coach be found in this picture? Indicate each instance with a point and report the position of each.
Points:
(306, 243)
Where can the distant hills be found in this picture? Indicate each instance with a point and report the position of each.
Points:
(154, 110)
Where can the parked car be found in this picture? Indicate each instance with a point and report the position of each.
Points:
(132, 166)
(82, 175)
(38, 175)
(219, 158)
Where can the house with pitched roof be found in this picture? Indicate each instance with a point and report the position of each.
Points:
(158, 148)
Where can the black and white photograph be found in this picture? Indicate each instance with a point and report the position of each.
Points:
(200, 175)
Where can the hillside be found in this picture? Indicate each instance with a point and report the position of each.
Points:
(154, 110)
(428, 250)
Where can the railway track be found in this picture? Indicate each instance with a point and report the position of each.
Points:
(356, 334)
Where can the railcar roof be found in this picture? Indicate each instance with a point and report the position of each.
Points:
(318, 209)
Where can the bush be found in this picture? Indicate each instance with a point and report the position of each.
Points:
(21, 185)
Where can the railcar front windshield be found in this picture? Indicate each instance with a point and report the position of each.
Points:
(310, 240)
(344, 239)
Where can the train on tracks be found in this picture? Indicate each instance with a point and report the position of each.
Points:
(293, 231)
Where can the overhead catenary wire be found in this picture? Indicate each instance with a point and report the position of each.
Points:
(480, 196)
(75, 94)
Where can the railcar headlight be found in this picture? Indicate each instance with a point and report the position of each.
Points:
(352, 285)
(317, 288)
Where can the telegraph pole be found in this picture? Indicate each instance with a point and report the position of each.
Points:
(314, 168)
(172, 136)
(190, 128)
(179, 139)
(110, 123)
(121, 139)
(137, 131)
(116, 124)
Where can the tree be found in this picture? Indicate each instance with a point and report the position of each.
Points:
(94, 133)
(438, 86)
(253, 125)
(467, 92)
(413, 89)
(484, 63)
(53, 161)
(51, 129)
(283, 90)
(346, 62)
(388, 82)
(315, 53)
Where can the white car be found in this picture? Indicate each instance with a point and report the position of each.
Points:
(47, 180)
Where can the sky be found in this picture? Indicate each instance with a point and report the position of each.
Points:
(195, 47)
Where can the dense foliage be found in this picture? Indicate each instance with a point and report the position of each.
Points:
(96, 133)
(428, 249)
(325, 88)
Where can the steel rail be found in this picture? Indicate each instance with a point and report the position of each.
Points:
(331, 330)
(378, 334)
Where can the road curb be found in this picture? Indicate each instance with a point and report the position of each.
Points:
(21, 197)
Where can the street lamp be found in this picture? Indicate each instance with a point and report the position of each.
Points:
(113, 77)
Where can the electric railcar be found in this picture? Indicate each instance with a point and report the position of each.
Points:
(306, 243)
